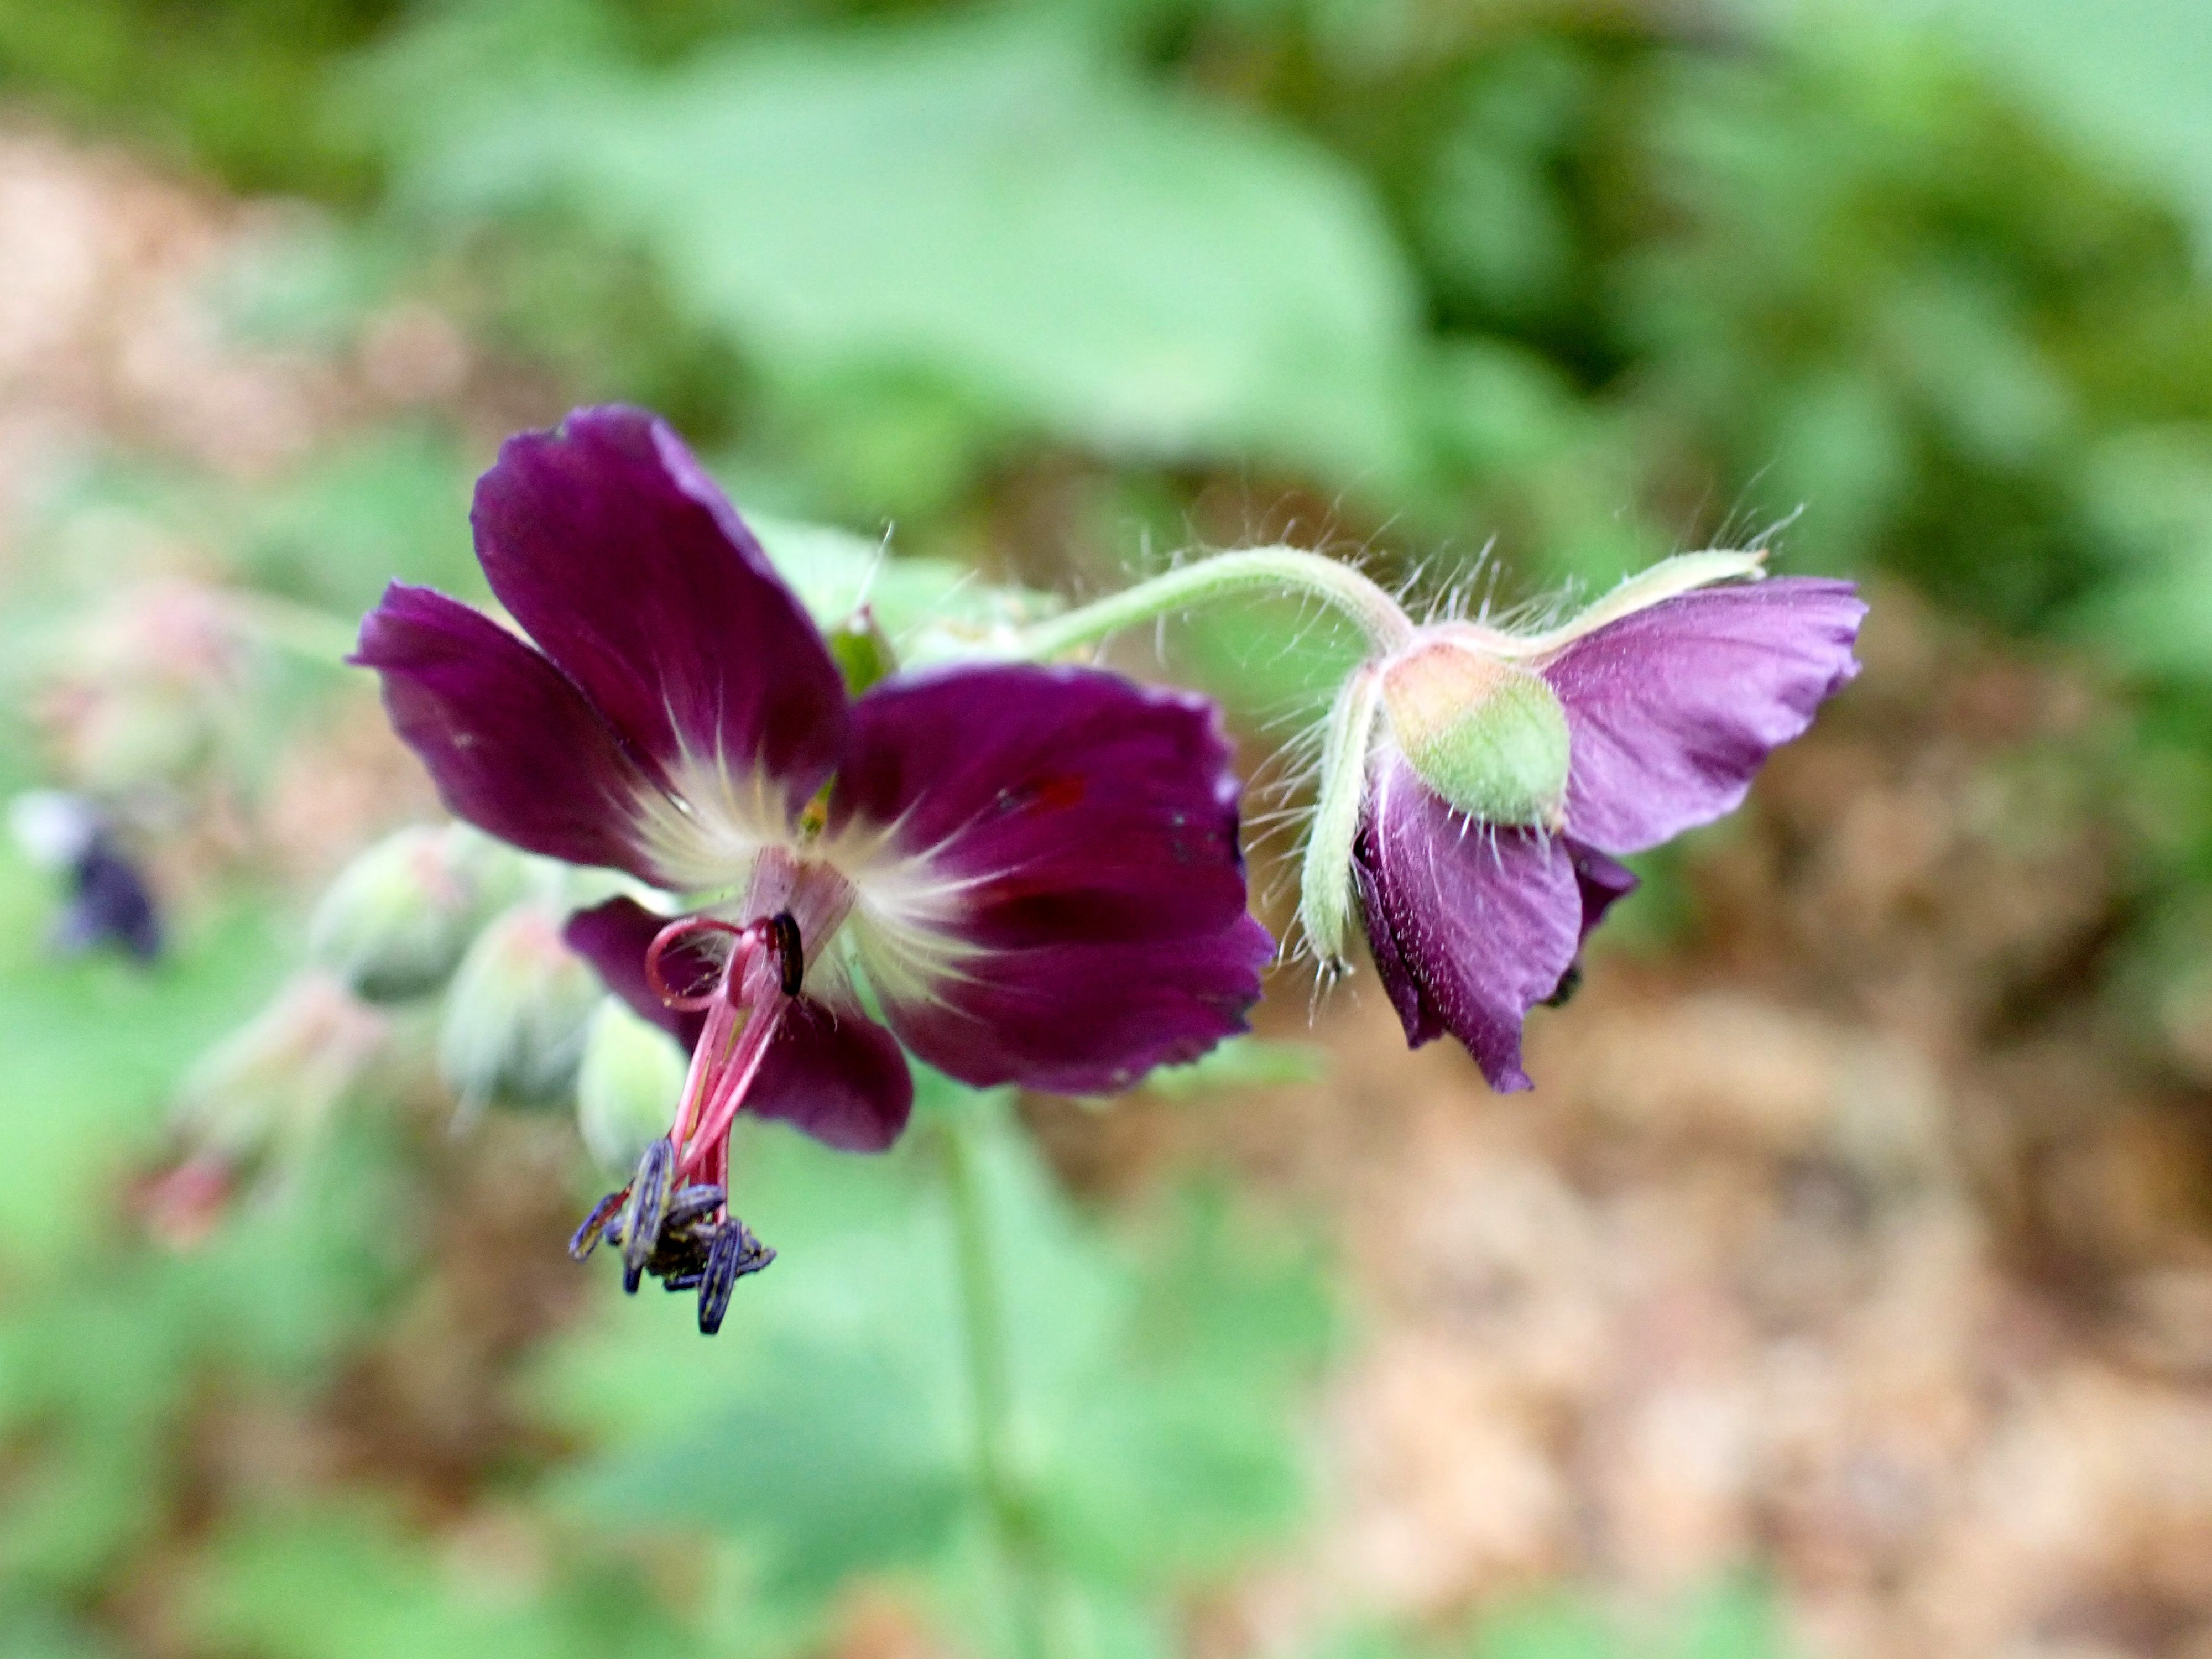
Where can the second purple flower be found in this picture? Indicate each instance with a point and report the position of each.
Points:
(1479, 784)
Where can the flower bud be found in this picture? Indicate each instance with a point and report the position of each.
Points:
(627, 1087)
(252, 1106)
(146, 689)
(517, 1012)
(1488, 737)
(395, 922)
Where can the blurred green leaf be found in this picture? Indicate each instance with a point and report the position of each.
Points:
(30, 1631)
(924, 605)
(392, 504)
(1555, 1628)
(981, 198)
(1244, 1062)
(347, 1582)
(95, 1045)
(2151, 492)
(830, 1425)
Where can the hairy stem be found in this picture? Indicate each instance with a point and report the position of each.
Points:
(1258, 569)
(990, 1375)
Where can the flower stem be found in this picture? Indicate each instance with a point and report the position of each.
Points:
(1278, 569)
(990, 1377)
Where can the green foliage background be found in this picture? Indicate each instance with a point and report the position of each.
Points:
(1597, 284)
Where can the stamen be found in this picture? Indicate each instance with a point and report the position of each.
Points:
(736, 1253)
(692, 1204)
(790, 950)
(646, 1210)
(587, 1239)
(673, 1220)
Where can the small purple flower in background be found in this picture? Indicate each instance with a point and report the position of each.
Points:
(1478, 783)
(111, 903)
(1035, 870)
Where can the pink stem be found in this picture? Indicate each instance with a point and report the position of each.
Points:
(730, 1088)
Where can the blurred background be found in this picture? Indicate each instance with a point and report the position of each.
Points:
(1845, 1287)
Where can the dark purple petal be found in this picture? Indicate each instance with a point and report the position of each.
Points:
(1471, 925)
(830, 1072)
(1673, 708)
(1602, 882)
(837, 1075)
(512, 745)
(614, 937)
(1088, 1019)
(617, 553)
(1088, 806)
(1090, 826)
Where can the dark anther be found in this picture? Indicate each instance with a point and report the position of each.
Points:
(642, 1218)
(1570, 983)
(790, 950)
(691, 1204)
(736, 1253)
(670, 1233)
(595, 1225)
(680, 1253)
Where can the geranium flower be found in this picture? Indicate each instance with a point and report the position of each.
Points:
(1035, 870)
(1484, 781)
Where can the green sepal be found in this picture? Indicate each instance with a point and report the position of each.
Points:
(1326, 899)
(1489, 737)
(861, 651)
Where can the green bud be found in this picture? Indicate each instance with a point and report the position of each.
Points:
(517, 1012)
(258, 1102)
(275, 1081)
(861, 651)
(1488, 737)
(628, 1086)
(395, 922)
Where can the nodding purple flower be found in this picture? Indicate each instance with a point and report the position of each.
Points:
(1033, 870)
(1479, 785)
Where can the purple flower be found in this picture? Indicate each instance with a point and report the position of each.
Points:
(1035, 870)
(1497, 776)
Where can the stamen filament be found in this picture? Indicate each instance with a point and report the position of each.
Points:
(730, 1087)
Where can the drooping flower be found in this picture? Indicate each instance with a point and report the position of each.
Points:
(1479, 785)
(1033, 870)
